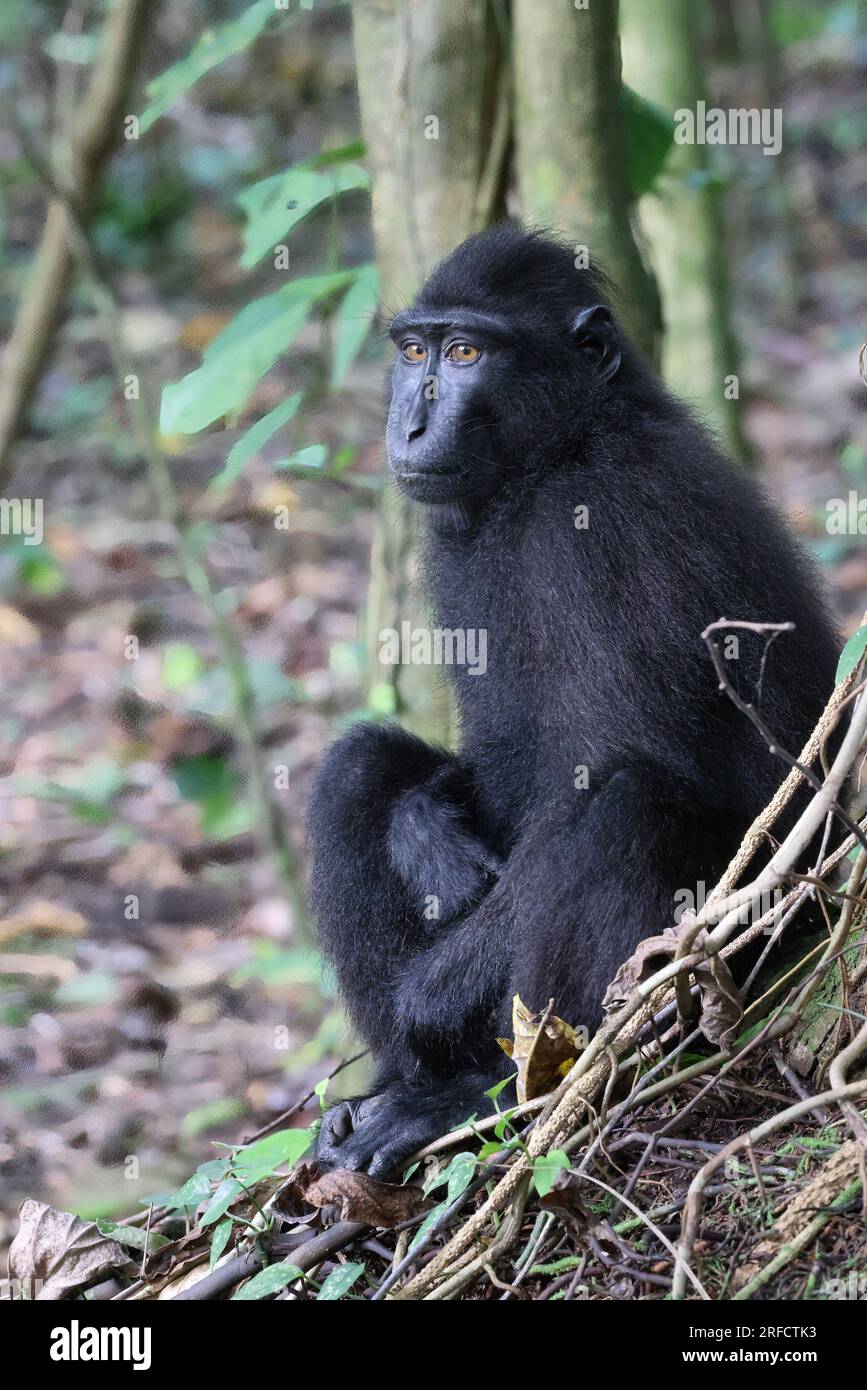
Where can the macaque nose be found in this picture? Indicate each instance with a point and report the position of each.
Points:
(416, 420)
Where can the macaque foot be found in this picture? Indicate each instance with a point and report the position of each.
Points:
(376, 1134)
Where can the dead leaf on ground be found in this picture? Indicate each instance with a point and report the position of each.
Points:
(15, 629)
(292, 1202)
(721, 1002)
(566, 1202)
(544, 1050)
(55, 967)
(58, 1254)
(360, 1198)
(42, 916)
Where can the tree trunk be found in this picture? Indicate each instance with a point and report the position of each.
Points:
(570, 137)
(435, 120)
(683, 219)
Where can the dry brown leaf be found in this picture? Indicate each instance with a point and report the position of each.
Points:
(58, 1254)
(42, 915)
(721, 1001)
(152, 863)
(360, 1198)
(15, 629)
(544, 1050)
(19, 963)
(722, 1006)
(291, 1201)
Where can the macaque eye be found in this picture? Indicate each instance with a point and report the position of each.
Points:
(464, 353)
(414, 352)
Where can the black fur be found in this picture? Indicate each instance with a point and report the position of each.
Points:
(594, 659)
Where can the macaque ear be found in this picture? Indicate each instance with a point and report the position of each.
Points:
(595, 334)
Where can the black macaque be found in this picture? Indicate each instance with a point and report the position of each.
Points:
(583, 520)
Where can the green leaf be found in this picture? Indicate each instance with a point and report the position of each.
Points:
(132, 1236)
(352, 322)
(461, 1172)
(260, 1159)
(495, 1146)
(277, 204)
(341, 460)
(382, 699)
(545, 1170)
(204, 777)
(314, 457)
(503, 1123)
(212, 48)
(495, 1091)
(40, 574)
(181, 665)
(86, 990)
(193, 1191)
(241, 355)
(255, 438)
(354, 150)
(219, 1241)
(458, 1176)
(268, 1281)
(224, 818)
(853, 458)
(213, 1168)
(428, 1224)
(339, 1282)
(228, 1191)
(649, 137)
(852, 653)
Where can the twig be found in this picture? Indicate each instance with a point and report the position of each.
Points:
(812, 748)
(820, 1114)
(302, 1103)
(756, 719)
